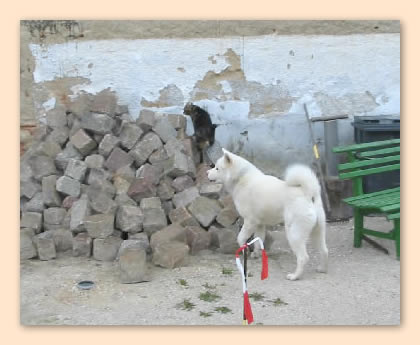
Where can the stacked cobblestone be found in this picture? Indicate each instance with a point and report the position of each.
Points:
(100, 184)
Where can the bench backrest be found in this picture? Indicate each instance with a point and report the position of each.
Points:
(368, 159)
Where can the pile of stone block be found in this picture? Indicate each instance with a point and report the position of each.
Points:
(100, 184)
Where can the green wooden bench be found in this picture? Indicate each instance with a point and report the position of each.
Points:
(368, 159)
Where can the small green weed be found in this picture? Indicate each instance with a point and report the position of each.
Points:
(278, 302)
(209, 296)
(185, 305)
(182, 282)
(223, 310)
(256, 296)
(227, 271)
(205, 314)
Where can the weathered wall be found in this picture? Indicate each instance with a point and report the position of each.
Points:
(252, 76)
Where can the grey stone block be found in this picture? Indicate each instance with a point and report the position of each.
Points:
(99, 225)
(129, 135)
(36, 204)
(171, 233)
(165, 190)
(190, 148)
(153, 202)
(173, 146)
(44, 243)
(211, 190)
(227, 217)
(214, 152)
(129, 244)
(95, 176)
(49, 192)
(31, 220)
(129, 218)
(146, 119)
(100, 201)
(154, 220)
(56, 117)
(80, 105)
(68, 202)
(181, 216)
(186, 197)
(42, 166)
(63, 157)
(95, 161)
(145, 147)
(141, 188)
(182, 182)
(159, 156)
(29, 188)
(150, 172)
(124, 199)
(48, 148)
(97, 123)
(192, 171)
(177, 121)
(224, 239)
(177, 165)
(167, 206)
(170, 254)
(79, 211)
(142, 239)
(118, 159)
(76, 169)
(164, 129)
(99, 179)
(106, 249)
(26, 173)
(121, 185)
(201, 175)
(227, 201)
(133, 266)
(108, 143)
(126, 172)
(54, 215)
(60, 135)
(82, 245)
(63, 240)
(27, 247)
(197, 239)
(83, 142)
(68, 186)
(205, 210)
(104, 102)
(121, 110)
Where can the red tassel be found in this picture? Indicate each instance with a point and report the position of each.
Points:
(264, 270)
(247, 309)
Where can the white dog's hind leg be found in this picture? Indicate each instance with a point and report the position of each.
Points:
(318, 239)
(297, 238)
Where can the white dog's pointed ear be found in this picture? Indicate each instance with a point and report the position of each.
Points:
(228, 158)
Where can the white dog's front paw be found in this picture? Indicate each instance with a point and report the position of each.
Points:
(292, 276)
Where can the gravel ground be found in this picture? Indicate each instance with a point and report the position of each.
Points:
(362, 287)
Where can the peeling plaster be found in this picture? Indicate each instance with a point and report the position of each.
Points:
(254, 84)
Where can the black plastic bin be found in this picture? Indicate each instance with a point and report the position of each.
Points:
(375, 128)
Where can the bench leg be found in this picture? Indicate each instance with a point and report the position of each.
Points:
(397, 237)
(358, 228)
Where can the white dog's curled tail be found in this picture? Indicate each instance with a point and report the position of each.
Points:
(299, 175)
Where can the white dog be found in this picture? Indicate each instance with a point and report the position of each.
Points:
(266, 200)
